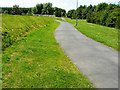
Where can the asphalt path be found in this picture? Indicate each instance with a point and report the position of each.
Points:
(95, 60)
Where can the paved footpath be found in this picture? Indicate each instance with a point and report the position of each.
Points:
(95, 60)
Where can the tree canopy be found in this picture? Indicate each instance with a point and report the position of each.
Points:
(42, 9)
(103, 14)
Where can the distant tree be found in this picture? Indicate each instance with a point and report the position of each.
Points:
(84, 12)
(71, 14)
(47, 9)
(15, 10)
(101, 6)
(113, 18)
(39, 8)
(118, 22)
(6, 11)
(35, 10)
(63, 13)
(89, 8)
(104, 17)
(30, 12)
(58, 12)
(79, 12)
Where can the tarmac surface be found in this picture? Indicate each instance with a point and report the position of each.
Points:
(95, 60)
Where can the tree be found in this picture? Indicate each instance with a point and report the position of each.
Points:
(6, 11)
(58, 12)
(55, 11)
(39, 8)
(35, 10)
(15, 10)
(118, 22)
(104, 17)
(101, 6)
(71, 14)
(63, 13)
(44, 11)
(79, 12)
(84, 12)
(30, 12)
(113, 18)
(47, 9)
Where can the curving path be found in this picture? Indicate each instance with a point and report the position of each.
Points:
(95, 60)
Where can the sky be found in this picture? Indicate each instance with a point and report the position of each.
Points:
(65, 4)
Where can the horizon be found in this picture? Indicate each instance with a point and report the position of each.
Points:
(67, 5)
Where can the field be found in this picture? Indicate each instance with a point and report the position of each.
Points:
(35, 60)
(102, 34)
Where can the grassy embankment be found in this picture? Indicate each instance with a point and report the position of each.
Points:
(103, 34)
(36, 61)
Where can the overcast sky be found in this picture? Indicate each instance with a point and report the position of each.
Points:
(65, 4)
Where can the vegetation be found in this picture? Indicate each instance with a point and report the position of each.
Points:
(15, 10)
(41, 9)
(103, 14)
(103, 34)
(14, 26)
(36, 61)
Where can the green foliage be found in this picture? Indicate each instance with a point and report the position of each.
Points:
(39, 8)
(103, 14)
(101, 6)
(6, 11)
(71, 14)
(15, 10)
(35, 10)
(58, 12)
(10, 10)
(118, 22)
(30, 12)
(104, 17)
(113, 17)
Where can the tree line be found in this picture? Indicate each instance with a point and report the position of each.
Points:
(42, 9)
(103, 14)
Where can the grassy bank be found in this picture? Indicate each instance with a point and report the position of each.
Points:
(103, 34)
(15, 26)
(36, 61)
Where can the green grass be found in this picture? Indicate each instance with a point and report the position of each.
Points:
(103, 34)
(37, 61)
(15, 26)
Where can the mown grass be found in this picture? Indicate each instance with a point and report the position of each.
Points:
(36, 61)
(103, 34)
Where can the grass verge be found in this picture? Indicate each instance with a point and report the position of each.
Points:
(103, 34)
(36, 61)
(15, 26)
